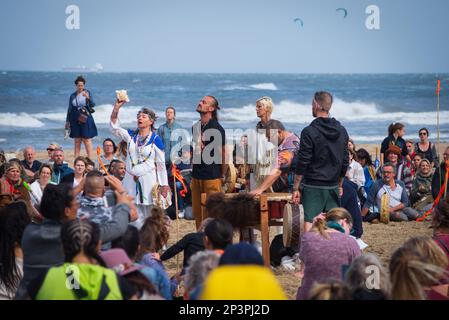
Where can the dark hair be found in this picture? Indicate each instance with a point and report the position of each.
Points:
(392, 128)
(324, 99)
(45, 165)
(216, 106)
(172, 108)
(440, 217)
(363, 154)
(113, 143)
(13, 220)
(80, 79)
(422, 156)
(80, 158)
(424, 129)
(112, 164)
(55, 199)
(129, 242)
(219, 232)
(90, 162)
(140, 282)
(81, 236)
(275, 125)
(354, 155)
(389, 164)
(153, 234)
(241, 253)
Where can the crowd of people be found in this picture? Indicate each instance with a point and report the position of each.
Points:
(100, 229)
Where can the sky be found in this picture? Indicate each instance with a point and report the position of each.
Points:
(231, 36)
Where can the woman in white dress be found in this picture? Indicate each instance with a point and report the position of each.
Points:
(145, 161)
(38, 186)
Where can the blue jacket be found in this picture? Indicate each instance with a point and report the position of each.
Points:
(60, 172)
(73, 107)
(165, 132)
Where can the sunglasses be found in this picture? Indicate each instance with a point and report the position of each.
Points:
(423, 133)
(50, 149)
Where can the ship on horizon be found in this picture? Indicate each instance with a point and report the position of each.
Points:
(97, 68)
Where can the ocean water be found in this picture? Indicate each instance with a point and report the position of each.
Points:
(33, 105)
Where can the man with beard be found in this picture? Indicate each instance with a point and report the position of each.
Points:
(209, 154)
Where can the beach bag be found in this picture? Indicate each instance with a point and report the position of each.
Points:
(82, 116)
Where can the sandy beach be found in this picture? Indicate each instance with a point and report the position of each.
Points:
(381, 239)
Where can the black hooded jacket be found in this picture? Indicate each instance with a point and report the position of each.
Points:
(323, 153)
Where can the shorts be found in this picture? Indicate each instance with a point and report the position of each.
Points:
(316, 200)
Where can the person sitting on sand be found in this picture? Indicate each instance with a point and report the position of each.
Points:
(29, 163)
(413, 277)
(130, 243)
(60, 169)
(399, 205)
(77, 176)
(421, 194)
(369, 170)
(326, 249)
(153, 237)
(438, 176)
(13, 220)
(200, 266)
(424, 146)
(440, 224)
(38, 186)
(396, 131)
(81, 243)
(358, 280)
(117, 168)
(109, 150)
(402, 173)
(415, 163)
(190, 244)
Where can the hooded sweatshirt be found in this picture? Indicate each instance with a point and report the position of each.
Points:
(323, 155)
(59, 172)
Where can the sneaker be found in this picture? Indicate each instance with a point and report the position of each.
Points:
(181, 214)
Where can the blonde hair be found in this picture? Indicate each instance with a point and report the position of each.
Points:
(428, 249)
(334, 215)
(357, 274)
(410, 274)
(330, 290)
(266, 103)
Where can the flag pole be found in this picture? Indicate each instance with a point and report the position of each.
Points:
(176, 211)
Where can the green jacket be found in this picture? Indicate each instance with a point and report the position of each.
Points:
(80, 282)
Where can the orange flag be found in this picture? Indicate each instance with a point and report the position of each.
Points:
(178, 176)
(438, 87)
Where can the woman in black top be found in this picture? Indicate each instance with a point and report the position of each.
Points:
(79, 118)
(425, 147)
(395, 133)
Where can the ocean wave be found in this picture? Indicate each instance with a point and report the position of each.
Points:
(258, 86)
(358, 111)
(22, 120)
(2, 140)
(286, 111)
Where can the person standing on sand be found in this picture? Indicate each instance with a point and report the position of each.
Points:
(208, 163)
(145, 161)
(264, 109)
(323, 160)
(79, 118)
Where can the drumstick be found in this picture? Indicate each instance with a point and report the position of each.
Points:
(100, 161)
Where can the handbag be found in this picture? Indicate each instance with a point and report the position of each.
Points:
(82, 117)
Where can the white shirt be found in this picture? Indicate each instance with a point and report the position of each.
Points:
(355, 173)
(395, 195)
(145, 163)
(36, 192)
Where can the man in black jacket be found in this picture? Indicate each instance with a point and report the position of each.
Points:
(323, 160)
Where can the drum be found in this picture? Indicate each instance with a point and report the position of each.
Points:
(293, 225)
(385, 208)
(230, 179)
